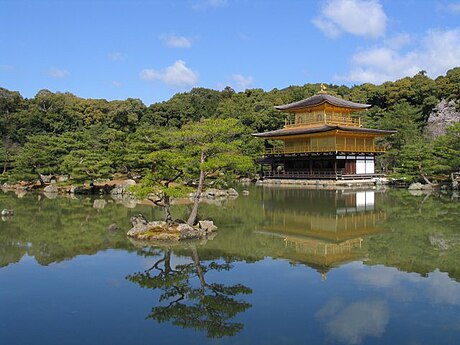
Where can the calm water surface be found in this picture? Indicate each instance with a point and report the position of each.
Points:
(287, 266)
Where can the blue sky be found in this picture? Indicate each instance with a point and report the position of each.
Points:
(152, 49)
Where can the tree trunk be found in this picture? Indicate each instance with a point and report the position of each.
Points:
(167, 210)
(426, 179)
(199, 269)
(192, 218)
(167, 258)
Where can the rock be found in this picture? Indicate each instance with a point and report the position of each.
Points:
(207, 225)
(417, 192)
(245, 192)
(443, 115)
(7, 212)
(128, 183)
(122, 188)
(160, 231)
(214, 193)
(51, 196)
(416, 186)
(428, 187)
(245, 180)
(117, 190)
(439, 241)
(138, 220)
(20, 193)
(232, 192)
(220, 193)
(142, 227)
(188, 232)
(52, 189)
(62, 178)
(46, 178)
(99, 203)
(112, 228)
(128, 202)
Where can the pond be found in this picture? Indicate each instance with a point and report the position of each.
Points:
(287, 266)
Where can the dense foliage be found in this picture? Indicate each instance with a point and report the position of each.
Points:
(62, 134)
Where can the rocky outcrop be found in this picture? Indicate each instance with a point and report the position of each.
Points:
(443, 115)
(161, 231)
(220, 193)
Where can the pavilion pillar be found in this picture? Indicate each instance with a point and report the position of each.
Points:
(335, 167)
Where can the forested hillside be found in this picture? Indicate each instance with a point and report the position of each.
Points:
(62, 134)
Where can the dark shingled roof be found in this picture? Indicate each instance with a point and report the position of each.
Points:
(326, 128)
(320, 99)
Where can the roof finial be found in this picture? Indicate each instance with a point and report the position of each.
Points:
(323, 88)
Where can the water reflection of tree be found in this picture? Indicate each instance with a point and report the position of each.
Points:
(189, 300)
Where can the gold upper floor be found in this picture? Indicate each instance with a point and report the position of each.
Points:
(324, 114)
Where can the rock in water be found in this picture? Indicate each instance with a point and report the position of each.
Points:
(99, 203)
(232, 192)
(52, 189)
(7, 212)
(112, 228)
(138, 220)
(416, 186)
(207, 225)
(161, 231)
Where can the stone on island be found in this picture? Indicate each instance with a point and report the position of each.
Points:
(161, 231)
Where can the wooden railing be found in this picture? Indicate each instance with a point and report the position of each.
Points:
(318, 148)
(337, 175)
(325, 118)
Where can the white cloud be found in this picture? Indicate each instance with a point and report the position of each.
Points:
(442, 289)
(357, 17)
(117, 83)
(178, 75)
(398, 41)
(353, 323)
(58, 73)
(437, 52)
(115, 56)
(242, 82)
(177, 41)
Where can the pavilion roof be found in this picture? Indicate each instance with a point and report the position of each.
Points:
(325, 128)
(321, 98)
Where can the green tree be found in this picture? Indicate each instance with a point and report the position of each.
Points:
(41, 155)
(214, 146)
(163, 182)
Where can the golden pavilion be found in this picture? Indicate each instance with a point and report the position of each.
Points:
(322, 139)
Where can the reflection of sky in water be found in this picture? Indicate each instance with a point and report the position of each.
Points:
(354, 322)
(53, 289)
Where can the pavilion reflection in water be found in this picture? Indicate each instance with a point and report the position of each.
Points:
(321, 228)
